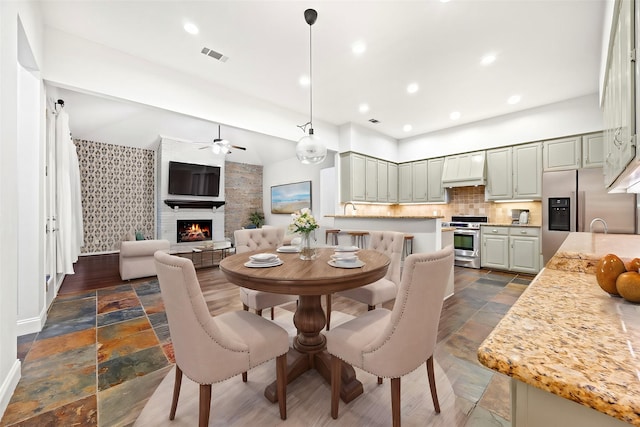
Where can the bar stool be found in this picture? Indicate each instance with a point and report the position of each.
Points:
(359, 238)
(408, 245)
(333, 235)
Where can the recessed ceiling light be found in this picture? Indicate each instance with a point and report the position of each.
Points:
(444, 1)
(304, 81)
(407, 128)
(513, 99)
(359, 47)
(488, 59)
(363, 108)
(454, 115)
(191, 28)
(413, 88)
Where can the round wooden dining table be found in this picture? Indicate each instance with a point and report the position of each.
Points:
(309, 280)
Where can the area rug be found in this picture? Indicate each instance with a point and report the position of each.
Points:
(235, 403)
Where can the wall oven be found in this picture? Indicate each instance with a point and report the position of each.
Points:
(466, 239)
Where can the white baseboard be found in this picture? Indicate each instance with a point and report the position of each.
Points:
(8, 386)
(31, 325)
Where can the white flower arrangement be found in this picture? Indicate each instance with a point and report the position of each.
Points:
(303, 222)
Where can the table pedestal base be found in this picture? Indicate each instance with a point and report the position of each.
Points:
(299, 363)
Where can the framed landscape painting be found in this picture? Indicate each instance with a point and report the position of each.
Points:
(288, 198)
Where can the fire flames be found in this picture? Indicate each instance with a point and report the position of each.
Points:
(195, 234)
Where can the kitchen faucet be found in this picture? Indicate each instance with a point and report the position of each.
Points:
(345, 207)
(604, 223)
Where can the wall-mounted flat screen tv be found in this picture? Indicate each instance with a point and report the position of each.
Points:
(194, 180)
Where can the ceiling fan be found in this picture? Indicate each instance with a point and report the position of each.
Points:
(221, 146)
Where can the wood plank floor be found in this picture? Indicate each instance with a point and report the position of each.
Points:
(477, 395)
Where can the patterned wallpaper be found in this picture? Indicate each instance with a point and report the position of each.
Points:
(117, 193)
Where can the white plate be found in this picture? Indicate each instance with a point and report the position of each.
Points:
(263, 264)
(264, 258)
(346, 248)
(350, 258)
(288, 249)
(339, 264)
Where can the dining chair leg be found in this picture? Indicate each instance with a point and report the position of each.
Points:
(176, 393)
(432, 384)
(281, 384)
(328, 297)
(336, 383)
(272, 313)
(205, 404)
(395, 401)
(244, 377)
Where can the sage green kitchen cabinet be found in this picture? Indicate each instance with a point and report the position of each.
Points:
(383, 181)
(499, 174)
(371, 179)
(405, 183)
(352, 177)
(419, 177)
(562, 154)
(392, 182)
(494, 252)
(435, 191)
(510, 248)
(619, 97)
(527, 171)
(593, 150)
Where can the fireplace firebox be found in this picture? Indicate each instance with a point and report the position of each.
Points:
(194, 230)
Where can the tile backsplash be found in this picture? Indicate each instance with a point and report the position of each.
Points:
(462, 201)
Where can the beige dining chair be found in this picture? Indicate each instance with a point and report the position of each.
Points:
(378, 341)
(210, 349)
(253, 240)
(391, 244)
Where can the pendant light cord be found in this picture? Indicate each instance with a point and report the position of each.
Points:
(310, 83)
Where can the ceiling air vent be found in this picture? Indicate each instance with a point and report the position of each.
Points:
(374, 120)
(215, 55)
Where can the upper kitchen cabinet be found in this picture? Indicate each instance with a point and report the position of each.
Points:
(387, 182)
(499, 174)
(352, 177)
(419, 178)
(371, 180)
(405, 183)
(435, 191)
(562, 154)
(619, 101)
(464, 170)
(527, 171)
(593, 150)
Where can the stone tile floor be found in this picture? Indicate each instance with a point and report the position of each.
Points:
(102, 353)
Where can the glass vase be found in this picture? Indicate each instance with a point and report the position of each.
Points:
(307, 250)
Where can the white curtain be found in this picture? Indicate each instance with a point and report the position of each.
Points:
(68, 203)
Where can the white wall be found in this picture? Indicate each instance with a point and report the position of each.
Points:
(186, 152)
(9, 214)
(575, 116)
(354, 137)
(79, 64)
(291, 170)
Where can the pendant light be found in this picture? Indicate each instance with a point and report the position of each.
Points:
(310, 149)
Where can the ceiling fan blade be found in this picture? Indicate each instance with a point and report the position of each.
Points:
(237, 147)
(206, 146)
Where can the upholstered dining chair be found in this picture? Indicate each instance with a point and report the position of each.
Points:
(392, 343)
(391, 244)
(210, 349)
(253, 240)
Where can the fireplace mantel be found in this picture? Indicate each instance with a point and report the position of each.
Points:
(193, 204)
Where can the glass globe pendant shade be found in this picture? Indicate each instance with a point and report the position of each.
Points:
(310, 150)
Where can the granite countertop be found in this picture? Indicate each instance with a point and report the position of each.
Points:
(385, 216)
(497, 224)
(448, 229)
(567, 336)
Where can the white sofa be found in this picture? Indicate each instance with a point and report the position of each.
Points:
(136, 257)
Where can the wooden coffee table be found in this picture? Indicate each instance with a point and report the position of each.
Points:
(310, 280)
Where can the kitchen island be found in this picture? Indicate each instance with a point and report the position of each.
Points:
(571, 349)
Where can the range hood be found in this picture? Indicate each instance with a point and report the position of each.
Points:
(464, 170)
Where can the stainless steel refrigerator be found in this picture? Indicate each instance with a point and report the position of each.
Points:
(571, 200)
